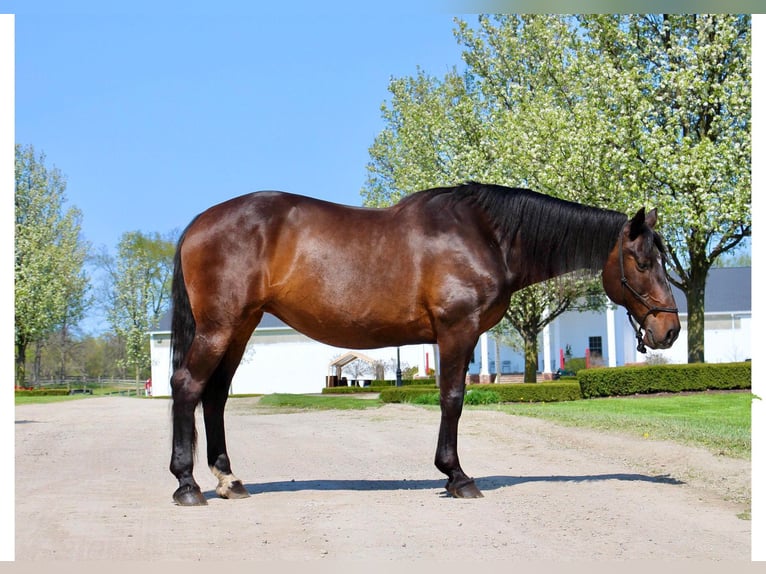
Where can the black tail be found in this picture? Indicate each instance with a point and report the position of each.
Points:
(182, 326)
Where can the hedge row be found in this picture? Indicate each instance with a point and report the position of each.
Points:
(380, 385)
(506, 393)
(663, 378)
(352, 390)
(41, 392)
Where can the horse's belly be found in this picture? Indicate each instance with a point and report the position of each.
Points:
(342, 327)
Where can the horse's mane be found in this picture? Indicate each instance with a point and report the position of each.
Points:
(558, 235)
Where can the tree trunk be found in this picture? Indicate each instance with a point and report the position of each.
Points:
(21, 353)
(530, 358)
(37, 367)
(695, 304)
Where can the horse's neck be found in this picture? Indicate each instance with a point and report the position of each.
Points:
(573, 246)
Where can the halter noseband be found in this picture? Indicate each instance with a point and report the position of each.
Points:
(638, 324)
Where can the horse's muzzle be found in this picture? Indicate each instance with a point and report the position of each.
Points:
(665, 342)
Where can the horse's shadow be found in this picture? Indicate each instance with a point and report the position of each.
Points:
(484, 483)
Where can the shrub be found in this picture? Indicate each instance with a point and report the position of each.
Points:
(481, 397)
(575, 364)
(561, 390)
(664, 378)
(377, 387)
(41, 392)
(490, 394)
(352, 390)
(405, 394)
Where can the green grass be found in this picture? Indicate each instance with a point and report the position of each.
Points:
(323, 402)
(43, 399)
(29, 400)
(719, 422)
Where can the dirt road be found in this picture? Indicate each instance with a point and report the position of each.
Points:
(92, 484)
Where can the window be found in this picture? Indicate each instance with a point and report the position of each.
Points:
(595, 347)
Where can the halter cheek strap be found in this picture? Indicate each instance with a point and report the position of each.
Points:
(638, 324)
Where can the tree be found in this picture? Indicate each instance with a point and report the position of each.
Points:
(690, 124)
(611, 110)
(535, 307)
(138, 292)
(468, 126)
(51, 288)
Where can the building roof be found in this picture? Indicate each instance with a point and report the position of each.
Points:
(728, 290)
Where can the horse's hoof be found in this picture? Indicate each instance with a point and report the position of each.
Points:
(187, 496)
(464, 489)
(235, 491)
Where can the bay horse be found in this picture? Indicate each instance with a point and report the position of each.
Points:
(438, 267)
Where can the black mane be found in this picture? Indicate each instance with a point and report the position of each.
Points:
(559, 235)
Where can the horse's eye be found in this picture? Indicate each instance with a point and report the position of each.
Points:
(643, 265)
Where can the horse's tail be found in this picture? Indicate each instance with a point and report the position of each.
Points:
(182, 327)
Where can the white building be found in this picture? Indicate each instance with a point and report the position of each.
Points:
(279, 359)
(728, 319)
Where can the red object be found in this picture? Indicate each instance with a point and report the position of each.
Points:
(426, 364)
(587, 358)
(561, 357)
(148, 387)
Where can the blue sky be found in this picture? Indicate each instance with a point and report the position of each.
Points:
(154, 116)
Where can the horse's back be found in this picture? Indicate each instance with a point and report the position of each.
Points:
(348, 276)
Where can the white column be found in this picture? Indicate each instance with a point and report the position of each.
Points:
(547, 352)
(484, 371)
(611, 339)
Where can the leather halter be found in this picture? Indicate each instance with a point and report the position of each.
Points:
(638, 324)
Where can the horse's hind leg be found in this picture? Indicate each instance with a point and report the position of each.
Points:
(188, 385)
(213, 404)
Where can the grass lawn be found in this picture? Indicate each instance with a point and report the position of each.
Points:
(718, 421)
(322, 402)
(30, 400)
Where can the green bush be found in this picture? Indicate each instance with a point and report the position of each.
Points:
(547, 392)
(351, 390)
(375, 388)
(424, 382)
(405, 394)
(575, 364)
(41, 392)
(490, 394)
(481, 397)
(617, 381)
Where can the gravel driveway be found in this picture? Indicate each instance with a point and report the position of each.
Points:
(92, 484)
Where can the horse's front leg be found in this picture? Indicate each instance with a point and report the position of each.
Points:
(453, 366)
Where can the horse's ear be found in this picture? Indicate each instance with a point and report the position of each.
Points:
(651, 218)
(637, 223)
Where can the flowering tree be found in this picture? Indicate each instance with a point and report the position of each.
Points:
(138, 291)
(50, 286)
(616, 111)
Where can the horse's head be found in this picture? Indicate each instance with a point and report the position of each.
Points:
(634, 276)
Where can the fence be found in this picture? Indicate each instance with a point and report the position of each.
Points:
(101, 386)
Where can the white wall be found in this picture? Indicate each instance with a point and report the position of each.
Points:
(727, 340)
(281, 363)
